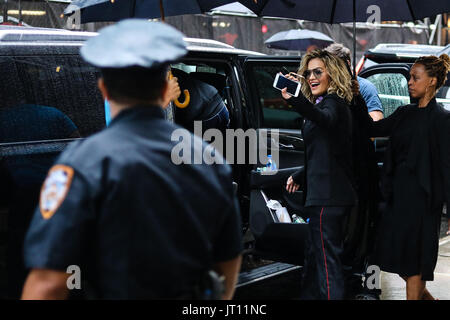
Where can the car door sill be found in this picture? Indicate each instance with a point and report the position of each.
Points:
(264, 272)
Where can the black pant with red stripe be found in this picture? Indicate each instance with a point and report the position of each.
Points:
(323, 276)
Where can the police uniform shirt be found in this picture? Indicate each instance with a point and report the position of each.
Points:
(137, 225)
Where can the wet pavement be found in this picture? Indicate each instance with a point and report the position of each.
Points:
(394, 288)
(287, 286)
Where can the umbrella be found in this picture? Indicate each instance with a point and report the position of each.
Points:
(298, 39)
(115, 10)
(234, 8)
(338, 11)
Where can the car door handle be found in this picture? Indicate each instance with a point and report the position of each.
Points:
(286, 146)
(281, 145)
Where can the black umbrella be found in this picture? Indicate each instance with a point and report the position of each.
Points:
(115, 10)
(338, 11)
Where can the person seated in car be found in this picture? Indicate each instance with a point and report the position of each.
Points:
(206, 104)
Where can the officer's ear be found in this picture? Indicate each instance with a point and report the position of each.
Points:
(103, 89)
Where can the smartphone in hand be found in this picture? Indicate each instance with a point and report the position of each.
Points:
(281, 82)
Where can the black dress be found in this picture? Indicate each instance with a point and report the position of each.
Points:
(406, 225)
(416, 183)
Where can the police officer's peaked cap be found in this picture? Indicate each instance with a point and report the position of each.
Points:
(135, 42)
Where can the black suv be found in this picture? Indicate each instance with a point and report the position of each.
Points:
(398, 52)
(49, 98)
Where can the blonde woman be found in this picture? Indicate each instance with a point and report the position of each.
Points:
(326, 89)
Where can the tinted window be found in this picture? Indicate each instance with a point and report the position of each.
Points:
(392, 90)
(48, 97)
(277, 113)
(44, 100)
(215, 76)
(197, 76)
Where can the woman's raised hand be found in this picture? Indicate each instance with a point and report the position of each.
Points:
(284, 91)
(285, 94)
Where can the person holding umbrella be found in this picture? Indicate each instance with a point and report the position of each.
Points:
(416, 178)
(366, 88)
(329, 188)
(365, 170)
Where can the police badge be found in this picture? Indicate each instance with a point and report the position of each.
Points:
(54, 189)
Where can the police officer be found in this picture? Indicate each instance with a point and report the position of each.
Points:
(115, 210)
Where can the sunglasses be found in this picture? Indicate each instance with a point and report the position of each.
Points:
(317, 73)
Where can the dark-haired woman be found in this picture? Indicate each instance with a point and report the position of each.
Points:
(416, 179)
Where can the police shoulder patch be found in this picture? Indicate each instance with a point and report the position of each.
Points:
(54, 189)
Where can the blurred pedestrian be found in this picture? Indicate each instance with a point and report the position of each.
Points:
(116, 207)
(324, 103)
(368, 91)
(416, 178)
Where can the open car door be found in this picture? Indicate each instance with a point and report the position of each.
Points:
(279, 134)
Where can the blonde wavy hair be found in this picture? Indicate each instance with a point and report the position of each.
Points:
(340, 78)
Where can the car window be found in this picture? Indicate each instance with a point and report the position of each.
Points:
(45, 102)
(48, 98)
(277, 112)
(205, 73)
(392, 89)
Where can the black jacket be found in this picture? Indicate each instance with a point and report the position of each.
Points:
(429, 155)
(124, 201)
(327, 131)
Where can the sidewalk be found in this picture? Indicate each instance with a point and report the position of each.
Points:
(394, 288)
